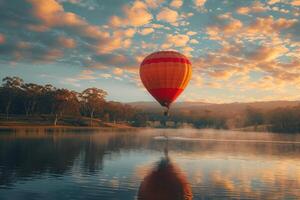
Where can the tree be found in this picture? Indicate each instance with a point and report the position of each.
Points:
(33, 92)
(254, 117)
(93, 100)
(10, 88)
(64, 101)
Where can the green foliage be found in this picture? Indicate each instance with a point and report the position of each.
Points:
(19, 98)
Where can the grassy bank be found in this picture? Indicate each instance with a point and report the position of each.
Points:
(47, 121)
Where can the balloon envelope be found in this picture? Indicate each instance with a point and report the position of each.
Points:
(165, 74)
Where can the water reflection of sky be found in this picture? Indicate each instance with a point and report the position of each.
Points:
(112, 165)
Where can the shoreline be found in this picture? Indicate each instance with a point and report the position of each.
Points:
(66, 127)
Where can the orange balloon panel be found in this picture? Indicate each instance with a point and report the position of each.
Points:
(165, 74)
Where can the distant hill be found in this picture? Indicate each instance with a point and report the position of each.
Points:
(224, 109)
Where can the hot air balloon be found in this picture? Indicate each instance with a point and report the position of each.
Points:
(165, 74)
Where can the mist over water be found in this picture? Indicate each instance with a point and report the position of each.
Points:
(111, 164)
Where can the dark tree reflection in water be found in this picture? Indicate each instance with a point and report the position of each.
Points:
(110, 164)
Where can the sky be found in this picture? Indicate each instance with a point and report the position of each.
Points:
(241, 51)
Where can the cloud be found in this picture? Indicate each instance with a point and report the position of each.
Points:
(129, 32)
(86, 75)
(264, 53)
(105, 75)
(178, 40)
(52, 55)
(118, 71)
(146, 31)
(197, 81)
(199, 3)
(295, 2)
(269, 25)
(191, 33)
(131, 69)
(51, 14)
(168, 15)
(135, 15)
(186, 50)
(119, 39)
(71, 81)
(224, 29)
(154, 3)
(256, 7)
(243, 10)
(271, 2)
(66, 42)
(261, 27)
(176, 3)
(230, 51)
(96, 66)
(194, 41)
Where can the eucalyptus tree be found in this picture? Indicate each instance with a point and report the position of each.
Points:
(93, 100)
(11, 87)
(64, 101)
(32, 95)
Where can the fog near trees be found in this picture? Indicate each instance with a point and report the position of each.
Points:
(62, 106)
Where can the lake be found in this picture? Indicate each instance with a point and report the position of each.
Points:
(124, 164)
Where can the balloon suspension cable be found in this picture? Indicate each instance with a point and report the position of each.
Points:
(166, 115)
(166, 112)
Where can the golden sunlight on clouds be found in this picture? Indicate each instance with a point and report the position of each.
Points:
(191, 33)
(52, 54)
(119, 39)
(194, 41)
(86, 75)
(243, 10)
(176, 3)
(295, 2)
(267, 26)
(105, 75)
(199, 3)
(135, 15)
(118, 71)
(168, 15)
(52, 14)
(273, 1)
(176, 40)
(146, 31)
(128, 32)
(67, 42)
(154, 3)
(264, 53)
(246, 48)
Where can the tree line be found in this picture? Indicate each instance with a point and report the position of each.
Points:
(281, 119)
(18, 98)
(30, 99)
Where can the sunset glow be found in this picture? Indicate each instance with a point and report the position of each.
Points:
(240, 50)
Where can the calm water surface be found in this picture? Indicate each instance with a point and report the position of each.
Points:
(36, 164)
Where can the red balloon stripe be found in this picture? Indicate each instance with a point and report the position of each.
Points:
(158, 60)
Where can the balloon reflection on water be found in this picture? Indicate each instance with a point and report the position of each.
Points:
(165, 182)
